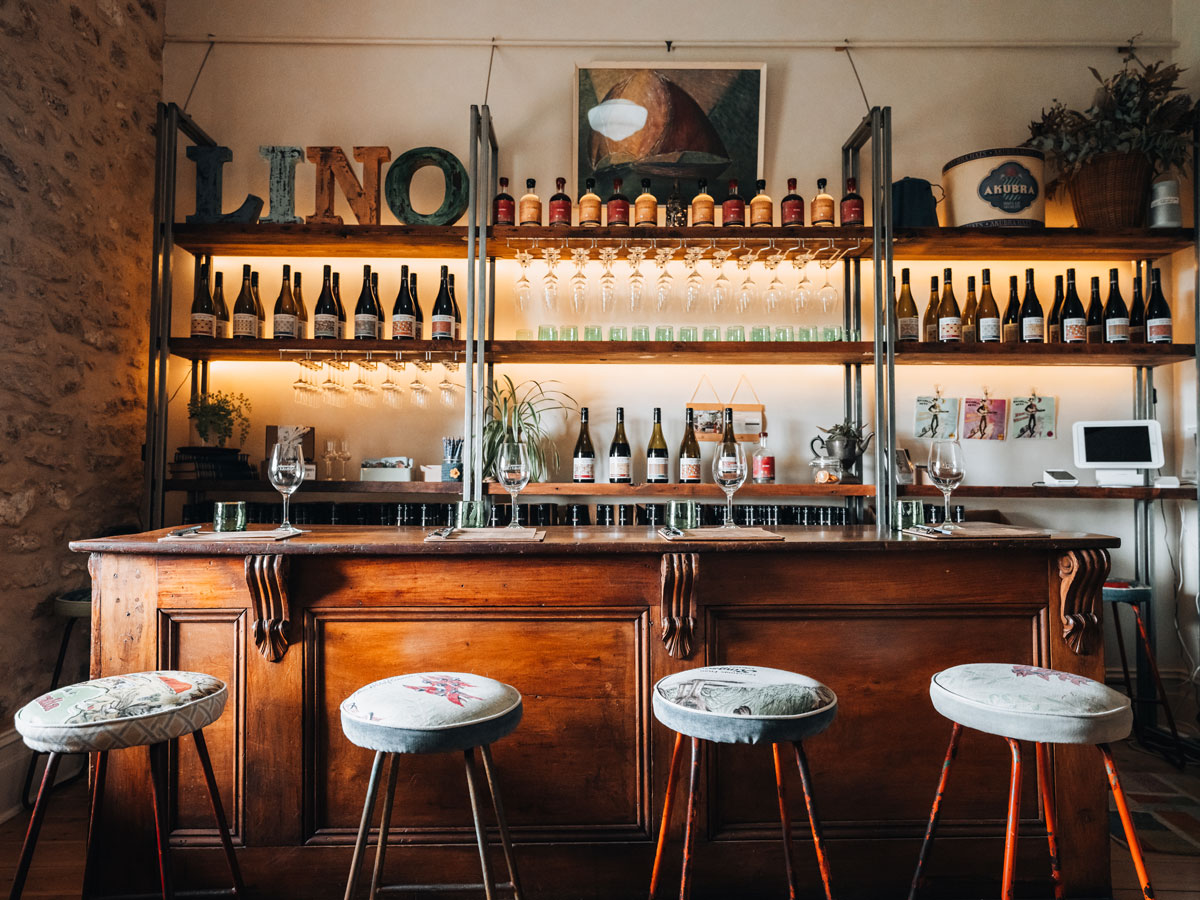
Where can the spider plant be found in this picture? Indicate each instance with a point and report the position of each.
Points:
(520, 412)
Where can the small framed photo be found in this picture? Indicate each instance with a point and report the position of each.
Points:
(936, 418)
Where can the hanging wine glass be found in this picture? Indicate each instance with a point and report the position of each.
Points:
(608, 281)
(719, 295)
(802, 300)
(830, 300)
(363, 391)
(523, 291)
(417, 391)
(664, 291)
(579, 284)
(550, 281)
(693, 295)
(393, 393)
(300, 387)
(773, 295)
(446, 390)
(637, 281)
(747, 295)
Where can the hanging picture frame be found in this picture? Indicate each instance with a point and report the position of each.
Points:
(1033, 418)
(748, 418)
(936, 418)
(984, 418)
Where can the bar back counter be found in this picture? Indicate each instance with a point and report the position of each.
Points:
(583, 625)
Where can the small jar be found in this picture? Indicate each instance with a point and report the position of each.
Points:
(826, 470)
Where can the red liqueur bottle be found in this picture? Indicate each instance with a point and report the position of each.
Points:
(560, 204)
(733, 208)
(504, 208)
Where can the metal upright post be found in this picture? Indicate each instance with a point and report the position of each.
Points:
(884, 199)
(468, 449)
(150, 450)
(487, 302)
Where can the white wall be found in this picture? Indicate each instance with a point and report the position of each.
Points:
(945, 102)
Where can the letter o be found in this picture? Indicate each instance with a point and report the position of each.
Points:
(399, 180)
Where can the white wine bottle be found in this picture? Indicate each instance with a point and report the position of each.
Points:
(245, 313)
(326, 323)
(620, 459)
(689, 452)
(949, 316)
(284, 318)
(908, 317)
(583, 459)
(204, 311)
(658, 457)
(987, 318)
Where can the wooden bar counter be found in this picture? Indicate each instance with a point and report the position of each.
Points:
(583, 625)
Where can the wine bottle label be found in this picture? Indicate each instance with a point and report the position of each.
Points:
(618, 212)
(283, 325)
(989, 331)
(764, 469)
(1095, 334)
(441, 327)
(852, 212)
(619, 468)
(761, 213)
(1074, 331)
(1116, 331)
(245, 325)
(583, 468)
(365, 325)
(204, 325)
(1054, 334)
(530, 210)
(505, 212)
(908, 328)
(403, 327)
(703, 210)
(457, 330)
(378, 328)
(560, 212)
(325, 326)
(1011, 331)
(589, 210)
(260, 327)
(645, 211)
(419, 330)
(949, 328)
(968, 334)
(822, 211)
(656, 469)
(1033, 329)
(1158, 331)
(791, 212)
(733, 212)
(689, 469)
(224, 328)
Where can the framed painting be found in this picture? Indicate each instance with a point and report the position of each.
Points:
(676, 121)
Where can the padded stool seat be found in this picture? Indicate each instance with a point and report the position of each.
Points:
(744, 704)
(121, 711)
(1031, 703)
(430, 712)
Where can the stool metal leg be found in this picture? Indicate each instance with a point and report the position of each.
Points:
(89, 865)
(501, 821)
(1046, 789)
(385, 824)
(1014, 816)
(690, 830)
(668, 799)
(480, 828)
(214, 798)
(814, 821)
(935, 812)
(1125, 662)
(364, 827)
(1162, 691)
(158, 792)
(58, 667)
(785, 821)
(35, 825)
(1135, 849)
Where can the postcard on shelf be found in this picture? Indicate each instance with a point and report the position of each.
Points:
(1034, 418)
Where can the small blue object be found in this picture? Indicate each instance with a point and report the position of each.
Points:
(1132, 593)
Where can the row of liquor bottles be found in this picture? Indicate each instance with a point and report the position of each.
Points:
(643, 211)
(1108, 321)
(658, 455)
(211, 315)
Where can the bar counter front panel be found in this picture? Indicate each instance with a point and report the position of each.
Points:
(583, 625)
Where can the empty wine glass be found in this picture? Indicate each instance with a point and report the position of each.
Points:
(719, 295)
(343, 455)
(446, 389)
(512, 471)
(522, 289)
(773, 295)
(729, 471)
(608, 281)
(550, 280)
(286, 472)
(802, 301)
(693, 294)
(364, 391)
(946, 471)
(747, 295)
(579, 284)
(393, 393)
(664, 288)
(418, 390)
(830, 300)
(330, 456)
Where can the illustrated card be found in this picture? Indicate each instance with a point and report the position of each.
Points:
(936, 418)
(1034, 418)
(984, 419)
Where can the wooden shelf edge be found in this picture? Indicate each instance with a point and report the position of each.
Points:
(1044, 492)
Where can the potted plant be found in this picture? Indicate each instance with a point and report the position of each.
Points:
(1138, 126)
(215, 416)
(518, 412)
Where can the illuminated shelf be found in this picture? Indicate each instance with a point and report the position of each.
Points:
(537, 489)
(1039, 243)
(1044, 492)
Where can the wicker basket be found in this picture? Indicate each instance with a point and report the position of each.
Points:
(1112, 191)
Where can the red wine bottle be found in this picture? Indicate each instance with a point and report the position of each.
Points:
(419, 328)
(504, 208)
(733, 207)
(441, 317)
(457, 311)
(1054, 321)
(1074, 317)
(404, 321)
(1158, 313)
(1011, 323)
(1033, 323)
(326, 322)
(1137, 314)
(1116, 313)
(364, 310)
(852, 205)
(618, 206)
(1095, 315)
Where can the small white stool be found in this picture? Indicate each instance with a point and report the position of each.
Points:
(1045, 706)
(431, 712)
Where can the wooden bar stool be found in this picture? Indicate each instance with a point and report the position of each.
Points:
(1027, 703)
(742, 705)
(431, 712)
(145, 709)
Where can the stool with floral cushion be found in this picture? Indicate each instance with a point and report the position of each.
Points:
(1044, 706)
(143, 709)
(431, 712)
(742, 705)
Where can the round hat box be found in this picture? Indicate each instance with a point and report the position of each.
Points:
(996, 188)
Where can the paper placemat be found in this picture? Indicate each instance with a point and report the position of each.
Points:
(488, 534)
(233, 537)
(964, 530)
(717, 533)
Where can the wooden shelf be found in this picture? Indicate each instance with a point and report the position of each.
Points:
(379, 241)
(1039, 244)
(801, 353)
(1043, 492)
(269, 350)
(1043, 354)
(504, 241)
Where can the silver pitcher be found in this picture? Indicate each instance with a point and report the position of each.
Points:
(846, 449)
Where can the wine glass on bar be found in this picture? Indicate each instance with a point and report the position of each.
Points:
(729, 471)
(286, 472)
(946, 470)
(512, 471)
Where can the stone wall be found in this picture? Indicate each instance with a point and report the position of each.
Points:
(78, 86)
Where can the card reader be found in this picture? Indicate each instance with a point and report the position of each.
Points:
(1059, 478)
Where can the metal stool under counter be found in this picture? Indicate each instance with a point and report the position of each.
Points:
(1045, 706)
(431, 712)
(742, 705)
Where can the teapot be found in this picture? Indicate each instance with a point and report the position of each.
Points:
(842, 443)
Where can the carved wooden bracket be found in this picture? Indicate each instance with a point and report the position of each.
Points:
(1081, 576)
(266, 576)
(680, 572)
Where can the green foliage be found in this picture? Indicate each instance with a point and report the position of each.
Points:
(844, 430)
(1138, 110)
(519, 412)
(217, 415)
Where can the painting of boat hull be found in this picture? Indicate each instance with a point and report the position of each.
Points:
(683, 122)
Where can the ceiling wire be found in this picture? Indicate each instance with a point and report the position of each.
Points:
(212, 43)
(488, 86)
(846, 50)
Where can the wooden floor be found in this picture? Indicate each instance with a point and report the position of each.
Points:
(58, 867)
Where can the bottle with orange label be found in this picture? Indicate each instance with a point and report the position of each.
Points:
(560, 205)
(645, 208)
(589, 206)
(703, 208)
(822, 206)
(529, 210)
(733, 207)
(791, 207)
(762, 209)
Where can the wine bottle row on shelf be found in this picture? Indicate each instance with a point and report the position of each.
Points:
(701, 211)
(658, 455)
(1108, 321)
(211, 316)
